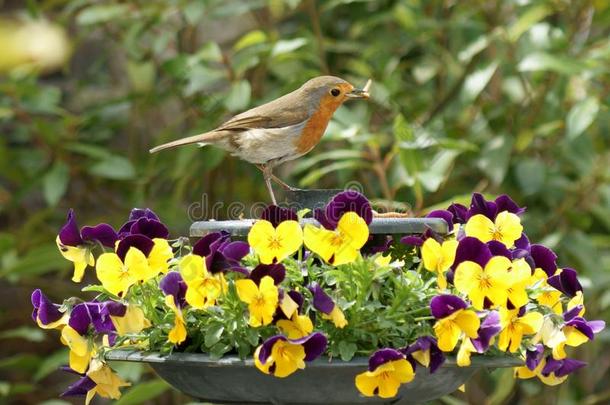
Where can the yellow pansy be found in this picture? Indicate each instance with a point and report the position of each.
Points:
(133, 321)
(81, 349)
(386, 379)
(449, 329)
(81, 256)
(262, 300)
(506, 228)
(107, 383)
(287, 358)
(491, 282)
(438, 258)
(514, 327)
(275, 244)
(547, 296)
(178, 333)
(519, 278)
(203, 289)
(464, 353)
(341, 245)
(336, 316)
(118, 275)
(159, 256)
(297, 327)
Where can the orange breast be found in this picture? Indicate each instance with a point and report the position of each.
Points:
(316, 125)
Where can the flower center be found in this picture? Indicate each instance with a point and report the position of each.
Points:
(274, 242)
(336, 240)
(484, 281)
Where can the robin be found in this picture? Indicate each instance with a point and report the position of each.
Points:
(280, 130)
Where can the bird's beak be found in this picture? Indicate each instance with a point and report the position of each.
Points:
(360, 93)
(357, 93)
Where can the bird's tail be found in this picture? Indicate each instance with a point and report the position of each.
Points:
(208, 137)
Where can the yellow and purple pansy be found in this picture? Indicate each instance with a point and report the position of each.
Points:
(281, 356)
(453, 320)
(202, 287)
(76, 245)
(323, 303)
(425, 352)
(517, 323)
(221, 253)
(490, 327)
(276, 236)
(47, 314)
(388, 370)
(100, 380)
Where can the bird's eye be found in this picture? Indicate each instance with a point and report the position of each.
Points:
(335, 92)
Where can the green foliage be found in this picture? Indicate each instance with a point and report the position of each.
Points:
(494, 96)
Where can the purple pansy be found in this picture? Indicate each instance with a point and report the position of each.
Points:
(143, 243)
(80, 387)
(412, 240)
(537, 256)
(472, 249)
(321, 301)
(587, 328)
(276, 271)
(534, 356)
(143, 221)
(489, 328)
(561, 368)
(45, 311)
(97, 314)
(425, 344)
(566, 282)
(314, 345)
(277, 215)
(441, 306)
(383, 356)
(70, 235)
(460, 213)
(490, 209)
(346, 201)
(173, 284)
(221, 254)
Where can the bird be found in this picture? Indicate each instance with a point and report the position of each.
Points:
(281, 130)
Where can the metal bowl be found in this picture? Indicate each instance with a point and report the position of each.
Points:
(231, 380)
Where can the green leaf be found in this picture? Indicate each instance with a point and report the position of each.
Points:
(495, 157)
(532, 16)
(531, 175)
(347, 350)
(101, 13)
(543, 61)
(251, 38)
(55, 183)
(287, 46)
(239, 96)
(476, 82)
(24, 333)
(144, 391)
(581, 116)
(113, 167)
(51, 363)
(213, 334)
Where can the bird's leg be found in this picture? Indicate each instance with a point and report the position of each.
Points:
(268, 175)
(277, 180)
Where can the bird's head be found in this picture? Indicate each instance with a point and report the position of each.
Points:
(331, 91)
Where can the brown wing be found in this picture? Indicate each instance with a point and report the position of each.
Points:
(285, 111)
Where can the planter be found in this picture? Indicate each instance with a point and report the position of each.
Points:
(231, 380)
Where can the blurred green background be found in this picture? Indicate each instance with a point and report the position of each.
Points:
(491, 96)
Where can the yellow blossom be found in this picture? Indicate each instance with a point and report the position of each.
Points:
(203, 289)
(262, 300)
(506, 228)
(490, 282)
(438, 258)
(386, 379)
(514, 327)
(275, 244)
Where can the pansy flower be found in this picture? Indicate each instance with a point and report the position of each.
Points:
(202, 288)
(323, 303)
(221, 253)
(75, 336)
(534, 356)
(177, 334)
(131, 321)
(262, 299)
(100, 380)
(506, 228)
(388, 369)
(75, 245)
(119, 271)
(486, 279)
(46, 314)
(297, 327)
(453, 319)
(438, 258)
(537, 256)
(173, 284)
(577, 330)
(342, 203)
(556, 371)
(339, 246)
(517, 323)
(489, 328)
(143, 221)
(273, 244)
(425, 351)
(281, 356)
(545, 294)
